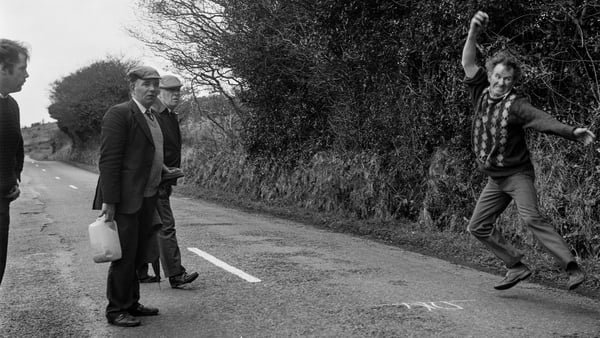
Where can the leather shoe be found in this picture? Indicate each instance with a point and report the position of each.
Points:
(181, 279)
(141, 310)
(123, 320)
(513, 276)
(576, 277)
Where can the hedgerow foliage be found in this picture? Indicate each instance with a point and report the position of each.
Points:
(359, 107)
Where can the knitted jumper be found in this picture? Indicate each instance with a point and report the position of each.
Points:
(11, 145)
(498, 130)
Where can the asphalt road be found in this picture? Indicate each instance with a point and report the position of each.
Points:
(259, 277)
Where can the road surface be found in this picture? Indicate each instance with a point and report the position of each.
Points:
(260, 276)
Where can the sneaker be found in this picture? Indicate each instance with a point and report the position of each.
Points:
(183, 278)
(576, 277)
(513, 276)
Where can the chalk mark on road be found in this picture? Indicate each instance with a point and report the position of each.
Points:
(212, 259)
(430, 306)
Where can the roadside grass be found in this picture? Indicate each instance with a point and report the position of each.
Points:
(457, 247)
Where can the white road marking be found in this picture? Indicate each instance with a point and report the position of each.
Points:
(73, 187)
(224, 265)
(430, 306)
(44, 170)
(58, 178)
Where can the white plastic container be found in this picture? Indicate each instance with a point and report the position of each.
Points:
(104, 239)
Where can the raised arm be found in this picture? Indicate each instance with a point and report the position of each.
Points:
(469, 55)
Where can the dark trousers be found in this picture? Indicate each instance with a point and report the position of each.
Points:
(4, 222)
(494, 199)
(123, 288)
(170, 256)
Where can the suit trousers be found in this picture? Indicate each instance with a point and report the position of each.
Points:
(123, 288)
(4, 222)
(170, 256)
(494, 199)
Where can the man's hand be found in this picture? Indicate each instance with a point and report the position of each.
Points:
(14, 193)
(108, 210)
(478, 22)
(584, 135)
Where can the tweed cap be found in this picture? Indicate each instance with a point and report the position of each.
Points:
(170, 82)
(143, 72)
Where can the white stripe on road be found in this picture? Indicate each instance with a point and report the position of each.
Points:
(44, 170)
(224, 265)
(56, 177)
(73, 187)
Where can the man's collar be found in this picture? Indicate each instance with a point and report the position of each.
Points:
(140, 106)
(160, 106)
(2, 96)
(500, 98)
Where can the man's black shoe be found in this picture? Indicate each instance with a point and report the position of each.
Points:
(576, 277)
(513, 276)
(181, 279)
(123, 320)
(141, 310)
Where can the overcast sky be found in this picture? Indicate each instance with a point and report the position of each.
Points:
(64, 36)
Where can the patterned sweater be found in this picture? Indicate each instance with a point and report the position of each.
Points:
(498, 130)
(11, 145)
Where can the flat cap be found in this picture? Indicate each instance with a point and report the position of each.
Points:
(170, 81)
(143, 72)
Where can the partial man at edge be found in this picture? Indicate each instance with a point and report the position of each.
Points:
(501, 115)
(13, 73)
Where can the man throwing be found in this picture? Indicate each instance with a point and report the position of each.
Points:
(501, 115)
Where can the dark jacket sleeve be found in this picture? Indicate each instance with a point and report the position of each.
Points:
(113, 143)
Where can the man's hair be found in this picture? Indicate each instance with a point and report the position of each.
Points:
(9, 53)
(508, 60)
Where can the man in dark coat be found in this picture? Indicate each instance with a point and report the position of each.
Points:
(131, 159)
(170, 255)
(13, 73)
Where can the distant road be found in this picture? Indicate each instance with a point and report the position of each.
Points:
(260, 276)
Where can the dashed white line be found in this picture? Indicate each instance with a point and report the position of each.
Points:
(44, 170)
(73, 187)
(56, 177)
(224, 265)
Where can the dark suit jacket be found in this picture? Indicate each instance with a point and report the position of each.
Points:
(169, 124)
(126, 156)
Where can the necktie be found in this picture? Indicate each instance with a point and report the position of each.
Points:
(150, 115)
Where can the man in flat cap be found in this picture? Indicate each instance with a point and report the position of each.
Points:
(131, 161)
(170, 256)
